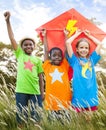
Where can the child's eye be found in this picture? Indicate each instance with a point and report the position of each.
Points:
(25, 44)
(54, 55)
(59, 55)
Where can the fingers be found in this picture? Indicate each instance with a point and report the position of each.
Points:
(79, 31)
(43, 31)
(87, 32)
(66, 32)
(7, 15)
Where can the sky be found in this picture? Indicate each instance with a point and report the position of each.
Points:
(27, 15)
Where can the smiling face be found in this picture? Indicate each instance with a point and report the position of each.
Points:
(83, 48)
(56, 56)
(28, 46)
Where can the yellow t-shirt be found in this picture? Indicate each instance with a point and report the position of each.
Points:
(58, 92)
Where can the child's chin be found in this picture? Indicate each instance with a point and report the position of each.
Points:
(58, 63)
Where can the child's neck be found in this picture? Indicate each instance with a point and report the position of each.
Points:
(82, 63)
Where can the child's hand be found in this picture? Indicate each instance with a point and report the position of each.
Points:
(66, 32)
(87, 32)
(43, 97)
(7, 15)
(78, 31)
(43, 32)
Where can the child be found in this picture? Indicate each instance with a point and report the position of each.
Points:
(84, 84)
(57, 91)
(29, 85)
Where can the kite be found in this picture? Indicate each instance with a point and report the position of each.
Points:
(72, 20)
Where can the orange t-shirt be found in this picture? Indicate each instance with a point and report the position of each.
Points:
(58, 91)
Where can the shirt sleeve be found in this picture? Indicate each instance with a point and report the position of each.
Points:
(66, 64)
(95, 57)
(40, 68)
(71, 60)
(18, 51)
(46, 65)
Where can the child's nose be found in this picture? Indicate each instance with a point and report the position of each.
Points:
(57, 56)
(28, 46)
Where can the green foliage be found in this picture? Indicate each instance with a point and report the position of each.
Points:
(7, 67)
(2, 46)
(7, 108)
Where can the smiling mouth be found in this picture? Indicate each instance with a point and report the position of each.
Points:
(57, 60)
(28, 49)
(83, 53)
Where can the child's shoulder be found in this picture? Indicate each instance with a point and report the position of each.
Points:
(47, 62)
(36, 58)
(65, 63)
(64, 60)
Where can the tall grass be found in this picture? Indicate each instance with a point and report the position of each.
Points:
(68, 121)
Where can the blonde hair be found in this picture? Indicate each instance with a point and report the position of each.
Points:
(82, 40)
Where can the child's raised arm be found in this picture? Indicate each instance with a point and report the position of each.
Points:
(46, 51)
(95, 40)
(9, 29)
(69, 42)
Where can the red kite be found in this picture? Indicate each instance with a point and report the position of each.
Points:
(72, 20)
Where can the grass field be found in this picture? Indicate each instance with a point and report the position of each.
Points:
(70, 121)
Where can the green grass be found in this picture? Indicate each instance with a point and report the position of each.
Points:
(74, 121)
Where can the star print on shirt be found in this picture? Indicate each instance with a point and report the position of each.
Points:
(56, 75)
(28, 65)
